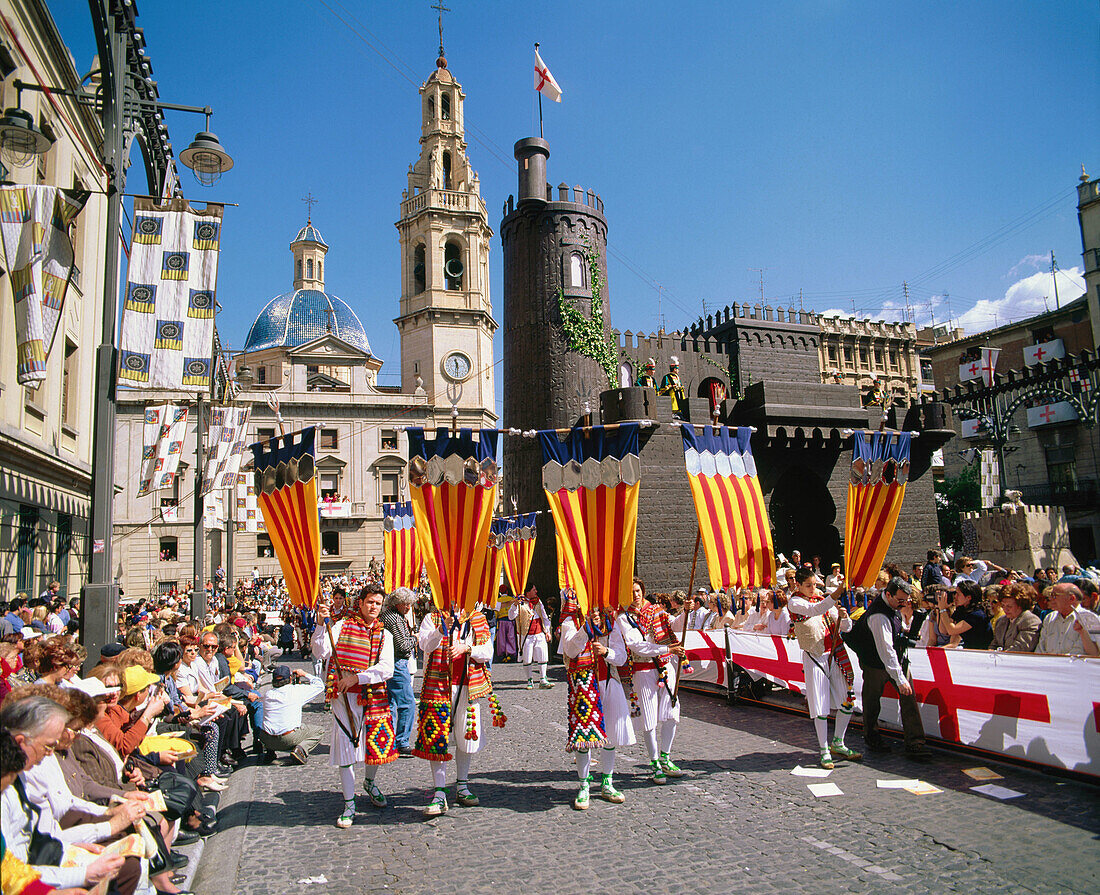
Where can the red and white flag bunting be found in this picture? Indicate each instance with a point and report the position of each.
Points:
(544, 81)
(1048, 414)
(989, 364)
(1043, 352)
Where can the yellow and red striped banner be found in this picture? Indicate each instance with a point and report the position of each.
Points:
(591, 481)
(490, 576)
(286, 489)
(515, 537)
(400, 548)
(880, 471)
(733, 522)
(453, 488)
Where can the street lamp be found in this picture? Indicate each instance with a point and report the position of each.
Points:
(128, 103)
(20, 140)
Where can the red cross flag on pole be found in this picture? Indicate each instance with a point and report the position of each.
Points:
(544, 81)
(989, 364)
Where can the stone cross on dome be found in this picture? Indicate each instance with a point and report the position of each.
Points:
(441, 62)
(310, 202)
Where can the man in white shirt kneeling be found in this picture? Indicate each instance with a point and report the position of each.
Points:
(282, 728)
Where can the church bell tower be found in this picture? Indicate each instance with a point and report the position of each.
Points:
(446, 316)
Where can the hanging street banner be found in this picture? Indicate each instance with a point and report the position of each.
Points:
(490, 575)
(1049, 414)
(880, 471)
(163, 431)
(591, 479)
(226, 444)
(514, 536)
(1035, 707)
(285, 478)
(167, 338)
(452, 483)
(38, 258)
(400, 550)
(1043, 352)
(733, 521)
(248, 510)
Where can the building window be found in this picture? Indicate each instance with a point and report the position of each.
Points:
(169, 550)
(420, 271)
(926, 374)
(25, 549)
(311, 369)
(893, 359)
(264, 550)
(452, 266)
(69, 376)
(330, 543)
(576, 270)
(1043, 334)
(445, 107)
(309, 268)
(390, 484)
(431, 107)
(832, 353)
(388, 439)
(847, 355)
(265, 434)
(62, 548)
(330, 439)
(446, 170)
(165, 588)
(880, 363)
(863, 359)
(330, 485)
(261, 375)
(299, 268)
(320, 269)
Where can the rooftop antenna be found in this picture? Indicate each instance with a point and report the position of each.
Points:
(908, 308)
(1054, 276)
(310, 202)
(760, 270)
(660, 314)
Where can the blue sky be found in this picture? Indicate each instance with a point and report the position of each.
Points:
(843, 146)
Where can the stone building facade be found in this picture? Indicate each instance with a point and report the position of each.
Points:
(46, 433)
(862, 352)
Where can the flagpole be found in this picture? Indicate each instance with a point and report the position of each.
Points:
(539, 92)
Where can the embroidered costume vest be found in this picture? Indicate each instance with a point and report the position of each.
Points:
(358, 648)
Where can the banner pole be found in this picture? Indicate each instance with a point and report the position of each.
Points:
(339, 673)
(684, 629)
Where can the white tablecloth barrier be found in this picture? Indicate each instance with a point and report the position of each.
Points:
(1042, 708)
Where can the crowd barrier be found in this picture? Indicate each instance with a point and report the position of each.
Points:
(1043, 709)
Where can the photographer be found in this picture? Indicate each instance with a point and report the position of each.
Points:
(970, 620)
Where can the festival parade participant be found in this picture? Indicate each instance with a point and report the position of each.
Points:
(533, 636)
(671, 386)
(648, 378)
(598, 711)
(647, 679)
(817, 623)
(356, 686)
(455, 676)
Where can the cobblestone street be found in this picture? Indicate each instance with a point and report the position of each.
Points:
(738, 821)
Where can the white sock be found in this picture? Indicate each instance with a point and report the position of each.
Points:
(542, 671)
(651, 744)
(842, 719)
(347, 782)
(531, 667)
(370, 772)
(821, 727)
(439, 773)
(462, 765)
(668, 733)
(584, 765)
(607, 761)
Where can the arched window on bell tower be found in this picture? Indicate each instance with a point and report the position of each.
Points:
(420, 271)
(576, 270)
(452, 266)
(447, 171)
(299, 268)
(309, 268)
(445, 106)
(431, 108)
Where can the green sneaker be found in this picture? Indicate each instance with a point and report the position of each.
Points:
(608, 792)
(346, 819)
(827, 760)
(839, 750)
(438, 804)
(464, 797)
(670, 769)
(657, 773)
(580, 803)
(376, 796)
(530, 685)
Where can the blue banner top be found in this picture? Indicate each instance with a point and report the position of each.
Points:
(597, 443)
(724, 440)
(443, 445)
(881, 446)
(283, 449)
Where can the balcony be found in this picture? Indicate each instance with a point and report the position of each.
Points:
(445, 200)
(1086, 493)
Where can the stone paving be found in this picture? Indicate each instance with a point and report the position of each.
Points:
(738, 821)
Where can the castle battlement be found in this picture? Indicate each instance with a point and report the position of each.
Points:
(757, 311)
(567, 195)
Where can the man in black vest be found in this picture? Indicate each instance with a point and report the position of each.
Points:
(887, 662)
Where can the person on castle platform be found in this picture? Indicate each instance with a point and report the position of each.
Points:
(647, 679)
(455, 675)
(533, 636)
(817, 624)
(598, 711)
(363, 729)
(671, 386)
(648, 377)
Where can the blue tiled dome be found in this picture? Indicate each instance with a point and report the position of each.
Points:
(309, 233)
(298, 317)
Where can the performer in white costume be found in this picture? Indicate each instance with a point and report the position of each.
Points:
(533, 636)
(647, 677)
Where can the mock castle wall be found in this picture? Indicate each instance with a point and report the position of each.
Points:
(1020, 537)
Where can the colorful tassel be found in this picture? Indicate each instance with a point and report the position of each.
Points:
(635, 709)
(471, 722)
(499, 718)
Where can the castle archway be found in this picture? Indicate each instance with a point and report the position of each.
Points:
(802, 513)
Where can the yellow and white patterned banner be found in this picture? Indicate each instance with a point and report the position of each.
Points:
(167, 336)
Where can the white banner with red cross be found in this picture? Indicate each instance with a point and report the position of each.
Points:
(1045, 709)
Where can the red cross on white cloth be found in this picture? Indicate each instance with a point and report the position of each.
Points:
(544, 81)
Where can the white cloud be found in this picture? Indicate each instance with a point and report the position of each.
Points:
(1027, 297)
(1029, 262)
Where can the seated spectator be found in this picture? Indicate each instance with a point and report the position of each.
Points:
(283, 730)
(29, 731)
(912, 614)
(970, 619)
(59, 661)
(835, 578)
(775, 618)
(1017, 630)
(1090, 594)
(723, 616)
(1068, 629)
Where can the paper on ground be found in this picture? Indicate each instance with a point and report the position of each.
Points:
(897, 784)
(800, 771)
(824, 789)
(982, 774)
(921, 788)
(998, 792)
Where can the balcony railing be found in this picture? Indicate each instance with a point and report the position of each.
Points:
(450, 200)
(1085, 493)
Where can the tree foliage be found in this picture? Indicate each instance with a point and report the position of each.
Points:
(589, 335)
(960, 494)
